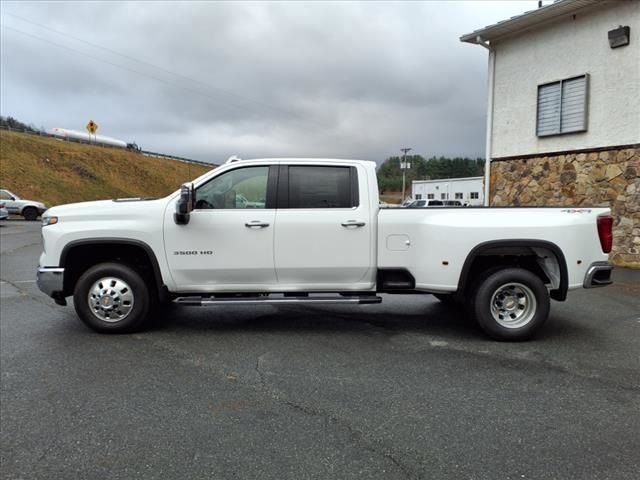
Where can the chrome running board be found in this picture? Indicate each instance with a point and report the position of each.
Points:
(269, 300)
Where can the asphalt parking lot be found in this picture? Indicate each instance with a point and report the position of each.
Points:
(405, 389)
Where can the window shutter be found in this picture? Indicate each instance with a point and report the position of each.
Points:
(562, 106)
(574, 94)
(549, 101)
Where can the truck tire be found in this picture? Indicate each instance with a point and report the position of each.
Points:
(510, 304)
(30, 213)
(112, 298)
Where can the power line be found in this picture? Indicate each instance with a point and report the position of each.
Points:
(119, 66)
(166, 82)
(128, 57)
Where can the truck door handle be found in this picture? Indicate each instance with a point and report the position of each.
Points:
(353, 223)
(256, 224)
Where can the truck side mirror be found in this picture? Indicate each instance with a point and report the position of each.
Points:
(184, 205)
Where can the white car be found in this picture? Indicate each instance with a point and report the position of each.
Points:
(4, 213)
(317, 236)
(29, 209)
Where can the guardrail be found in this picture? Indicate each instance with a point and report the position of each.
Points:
(104, 145)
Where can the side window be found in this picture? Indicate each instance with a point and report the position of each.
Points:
(322, 187)
(4, 195)
(240, 188)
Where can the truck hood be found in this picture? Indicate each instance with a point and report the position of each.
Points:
(107, 209)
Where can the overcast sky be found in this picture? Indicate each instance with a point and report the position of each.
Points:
(207, 80)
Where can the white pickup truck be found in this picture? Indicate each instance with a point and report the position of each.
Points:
(281, 231)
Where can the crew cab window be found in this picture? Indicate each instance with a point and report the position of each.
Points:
(240, 188)
(322, 187)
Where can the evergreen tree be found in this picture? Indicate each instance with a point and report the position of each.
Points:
(434, 168)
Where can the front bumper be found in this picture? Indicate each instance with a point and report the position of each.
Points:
(598, 275)
(50, 280)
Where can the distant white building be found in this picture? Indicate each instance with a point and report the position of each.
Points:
(467, 190)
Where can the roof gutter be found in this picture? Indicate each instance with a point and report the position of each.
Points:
(531, 19)
(491, 87)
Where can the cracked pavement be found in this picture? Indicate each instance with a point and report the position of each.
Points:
(407, 389)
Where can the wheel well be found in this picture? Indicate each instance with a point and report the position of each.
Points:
(543, 259)
(78, 258)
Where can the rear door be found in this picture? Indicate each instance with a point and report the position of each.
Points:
(323, 237)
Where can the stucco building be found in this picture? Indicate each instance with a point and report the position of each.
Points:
(467, 190)
(563, 113)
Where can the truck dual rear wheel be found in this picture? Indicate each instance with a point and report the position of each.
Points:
(112, 298)
(510, 304)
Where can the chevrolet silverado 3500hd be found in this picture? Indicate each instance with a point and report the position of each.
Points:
(280, 231)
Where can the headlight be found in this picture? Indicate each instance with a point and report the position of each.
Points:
(49, 221)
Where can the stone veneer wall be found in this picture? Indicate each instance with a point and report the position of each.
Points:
(607, 178)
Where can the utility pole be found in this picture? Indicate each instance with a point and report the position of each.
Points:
(403, 167)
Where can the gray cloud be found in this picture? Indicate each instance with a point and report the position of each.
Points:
(353, 79)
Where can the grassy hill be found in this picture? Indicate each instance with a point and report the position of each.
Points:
(56, 172)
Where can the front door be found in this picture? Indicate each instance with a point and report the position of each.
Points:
(228, 243)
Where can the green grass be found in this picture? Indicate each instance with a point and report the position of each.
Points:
(57, 172)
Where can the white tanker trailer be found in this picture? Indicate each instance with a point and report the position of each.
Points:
(85, 137)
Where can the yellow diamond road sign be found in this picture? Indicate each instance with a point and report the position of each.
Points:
(92, 126)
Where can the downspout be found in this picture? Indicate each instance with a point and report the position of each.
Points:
(487, 148)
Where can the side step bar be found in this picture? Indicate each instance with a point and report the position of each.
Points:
(268, 300)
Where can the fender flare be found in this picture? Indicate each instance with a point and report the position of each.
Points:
(559, 294)
(155, 266)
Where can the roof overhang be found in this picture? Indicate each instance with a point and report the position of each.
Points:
(527, 20)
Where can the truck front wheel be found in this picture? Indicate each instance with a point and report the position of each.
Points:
(111, 298)
(510, 304)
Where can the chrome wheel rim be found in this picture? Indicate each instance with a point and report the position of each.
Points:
(513, 305)
(110, 299)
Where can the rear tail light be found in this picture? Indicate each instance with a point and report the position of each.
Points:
(605, 232)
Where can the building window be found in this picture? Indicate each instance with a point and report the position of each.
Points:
(459, 196)
(443, 196)
(562, 106)
(474, 196)
(430, 196)
(418, 196)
